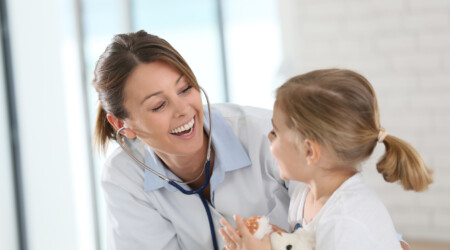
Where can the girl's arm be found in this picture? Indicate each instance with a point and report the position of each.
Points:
(241, 238)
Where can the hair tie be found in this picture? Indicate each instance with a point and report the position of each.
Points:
(382, 134)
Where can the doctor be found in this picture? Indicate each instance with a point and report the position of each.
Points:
(149, 94)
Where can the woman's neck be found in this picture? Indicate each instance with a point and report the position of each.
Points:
(188, 167)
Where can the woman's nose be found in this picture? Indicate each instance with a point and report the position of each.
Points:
(181, 107)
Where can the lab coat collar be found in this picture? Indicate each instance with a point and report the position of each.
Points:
(229, 155)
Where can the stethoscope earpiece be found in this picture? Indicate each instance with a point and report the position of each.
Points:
(120, 129)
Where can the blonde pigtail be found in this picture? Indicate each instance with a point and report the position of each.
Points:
(402, 163)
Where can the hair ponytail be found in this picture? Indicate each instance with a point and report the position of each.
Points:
(103, 131)
(338, 108)
(402, 163)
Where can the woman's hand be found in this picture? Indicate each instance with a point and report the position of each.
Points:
(241, 238)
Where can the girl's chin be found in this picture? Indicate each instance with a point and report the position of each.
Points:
(284, 178)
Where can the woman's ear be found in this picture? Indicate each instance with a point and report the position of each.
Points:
(312, 152)
(118, 124)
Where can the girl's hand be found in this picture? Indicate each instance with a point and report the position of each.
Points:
(241, 238)
(276, 228)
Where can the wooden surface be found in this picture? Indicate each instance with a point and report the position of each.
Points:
(428, 245)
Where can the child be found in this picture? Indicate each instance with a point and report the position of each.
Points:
(325, 123)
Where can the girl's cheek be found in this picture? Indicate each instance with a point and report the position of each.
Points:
(274, 152)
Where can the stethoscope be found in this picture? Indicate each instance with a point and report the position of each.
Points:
(176, 183)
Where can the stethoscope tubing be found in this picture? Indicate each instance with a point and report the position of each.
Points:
(204, 202)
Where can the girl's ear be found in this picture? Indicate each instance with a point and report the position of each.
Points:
(312, 152)
(118, 124)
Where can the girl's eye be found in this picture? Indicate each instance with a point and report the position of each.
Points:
(272, 132)
(186, 89)
(159, 107)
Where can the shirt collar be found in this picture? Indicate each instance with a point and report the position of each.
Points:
(229, 155)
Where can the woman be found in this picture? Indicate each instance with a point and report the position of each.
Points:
(148, 92)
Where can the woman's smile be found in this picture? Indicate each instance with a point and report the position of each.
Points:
(185, 131)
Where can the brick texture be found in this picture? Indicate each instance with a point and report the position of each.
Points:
(403, 48)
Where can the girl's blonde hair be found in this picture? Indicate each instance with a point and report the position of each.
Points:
(338, 108)
(114, 67)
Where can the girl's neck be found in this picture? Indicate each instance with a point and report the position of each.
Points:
(320, 190)
(323, 185)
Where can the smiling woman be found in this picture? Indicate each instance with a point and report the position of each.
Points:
(110, 78)
(159, 100)
(148, 94)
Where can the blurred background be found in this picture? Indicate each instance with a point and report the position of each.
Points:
(240, 52)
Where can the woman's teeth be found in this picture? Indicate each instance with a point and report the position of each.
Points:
(184, 127)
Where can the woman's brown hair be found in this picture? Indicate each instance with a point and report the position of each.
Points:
(114, 67)
(338, 108)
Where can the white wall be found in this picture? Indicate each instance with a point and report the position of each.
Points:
(403, 48)
(253, 50)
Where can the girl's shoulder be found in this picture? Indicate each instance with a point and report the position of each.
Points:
(354, 196)
(355, 200)
(361, 216)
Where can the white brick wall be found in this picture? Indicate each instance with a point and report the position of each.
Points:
(403, 48)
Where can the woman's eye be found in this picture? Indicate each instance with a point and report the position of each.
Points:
(159, 107)
(186, 89)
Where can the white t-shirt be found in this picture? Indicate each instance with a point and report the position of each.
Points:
(352, 218)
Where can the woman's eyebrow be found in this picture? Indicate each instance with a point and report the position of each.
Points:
(148, 97)
(179, 78)
(159, 92)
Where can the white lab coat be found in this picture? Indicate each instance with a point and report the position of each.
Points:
(142, 218)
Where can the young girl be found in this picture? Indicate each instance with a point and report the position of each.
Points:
(325, 124)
